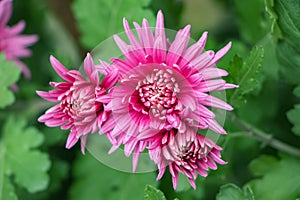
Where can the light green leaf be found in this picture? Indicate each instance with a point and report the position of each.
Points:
(93, 180)
(8, 191)
(261, 165)
(20, 160)
(183, 183)
(280, 181)
(246, 75)
(294, 117)
(100, 19)
(9, 74)
(269, 7)
(151, 193)
(233, 192)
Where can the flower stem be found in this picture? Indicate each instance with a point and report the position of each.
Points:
(267, 139)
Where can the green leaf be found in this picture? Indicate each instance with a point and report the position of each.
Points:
(288, 20)
(100, 19)
(289, 58)
(246, 75)
(9, 74)
(20, 160)
(261, 165)
(294, 117)
(287, 12)
(233, 192)
(269, 6)
(297, 91)
(280, 181)
(151, 193)
(8, 191)
(93, 180)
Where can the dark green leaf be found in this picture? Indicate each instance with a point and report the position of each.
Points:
(288, 14)
(289, 58)
(19, 158)
(280, 181)
(93, 180)
(294, 117)
(151, 193)
(233, 192)
(9, 74)
(100, 19)
(246, 75)
(297, 91)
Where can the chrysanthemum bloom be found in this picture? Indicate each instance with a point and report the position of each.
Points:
(12, 43)
(163, 84)
(83, 105)
(188, 153)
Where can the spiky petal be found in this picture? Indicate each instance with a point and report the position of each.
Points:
(82, 105)
(12, 43)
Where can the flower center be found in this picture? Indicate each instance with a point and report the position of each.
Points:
(157, 92)
(191, 152)
(81, 101)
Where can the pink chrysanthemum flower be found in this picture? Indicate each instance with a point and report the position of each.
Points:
(12, 43)
(164, 85)
(83, 105)
(188, 153)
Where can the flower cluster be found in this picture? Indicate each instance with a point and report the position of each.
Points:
(12, 43)
(156, 98)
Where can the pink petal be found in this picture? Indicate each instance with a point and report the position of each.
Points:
(72, 139)
(211, 85)
(47, 96)
(215, 102)
(221, 52)
(178, 46)
(210, 73)
(60, 69)
(5, 12)
(90, 70)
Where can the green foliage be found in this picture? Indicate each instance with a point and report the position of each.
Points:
(9, 74)
(151, 193)
(249, 14)
(287, 12)
(279, 176)
(294, 117)
(245, 75)
(20, 160)
(297, 91)
(100, 19)
(259, 167)
(93, 180)
(172, 11)
(289, 57)
(294, 114)
(233, 192)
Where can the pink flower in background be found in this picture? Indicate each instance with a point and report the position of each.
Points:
(164, 86)
(188, 153)
(12, 43)
(83, 105)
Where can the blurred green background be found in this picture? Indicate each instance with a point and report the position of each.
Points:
(264, 61)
